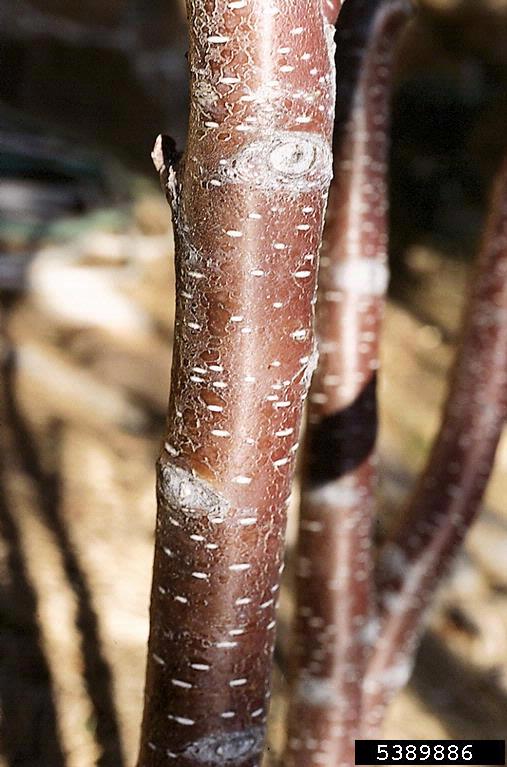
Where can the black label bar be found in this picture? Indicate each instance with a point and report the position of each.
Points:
(431, 752)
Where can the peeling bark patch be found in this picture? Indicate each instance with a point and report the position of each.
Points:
(316, 691)
(179, 489)
(340, 492)
(227, 748)
(365, 276)
(311, 366)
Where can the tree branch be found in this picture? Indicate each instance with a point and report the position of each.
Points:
(450, 490)
(335, 622)
(247, 199)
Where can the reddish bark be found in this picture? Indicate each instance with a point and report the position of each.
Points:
(449, 492)
(247, 199)
(331, 10)
(335, 623)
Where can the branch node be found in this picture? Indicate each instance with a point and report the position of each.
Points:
(166, 158)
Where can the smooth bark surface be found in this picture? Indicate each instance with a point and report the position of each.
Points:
(332, 10)
(248, 199)
(449, 493)
(336, 626)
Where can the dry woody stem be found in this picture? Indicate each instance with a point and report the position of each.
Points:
(335, 622)
(247, 199)
(450, 490)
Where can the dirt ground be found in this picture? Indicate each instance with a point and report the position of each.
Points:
(85, 352)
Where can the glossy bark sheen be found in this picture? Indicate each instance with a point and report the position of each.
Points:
(449, 493)
(335, 623)
(247, 199)
(332, 10)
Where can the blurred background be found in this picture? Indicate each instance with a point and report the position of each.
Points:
(86, 288)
